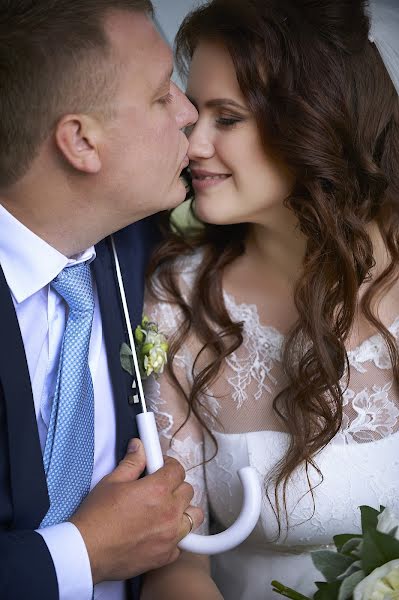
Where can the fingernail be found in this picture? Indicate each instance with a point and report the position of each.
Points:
(133, 446)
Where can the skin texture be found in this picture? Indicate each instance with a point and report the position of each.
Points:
(225, 140)
(187, 578)
(91, 177)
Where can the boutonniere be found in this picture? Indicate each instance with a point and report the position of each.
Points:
(151, 347)
(363, 567)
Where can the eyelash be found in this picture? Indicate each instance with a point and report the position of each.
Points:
(166, 99)
(227, 121)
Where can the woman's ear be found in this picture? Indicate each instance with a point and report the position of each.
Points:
(78, 139)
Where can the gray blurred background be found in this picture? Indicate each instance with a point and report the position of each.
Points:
(169, 14)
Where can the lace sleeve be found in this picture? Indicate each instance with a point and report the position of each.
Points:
(184, 442)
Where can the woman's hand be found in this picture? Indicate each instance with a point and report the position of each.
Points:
(188, 578)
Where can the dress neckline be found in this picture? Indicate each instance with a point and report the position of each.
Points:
(373, 339)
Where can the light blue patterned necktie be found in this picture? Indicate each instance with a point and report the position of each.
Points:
(69, 450)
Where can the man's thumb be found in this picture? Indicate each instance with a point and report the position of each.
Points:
(133, 463)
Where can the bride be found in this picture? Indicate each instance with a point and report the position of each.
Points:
(282, 309)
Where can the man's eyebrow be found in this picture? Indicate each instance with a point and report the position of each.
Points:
(220, 103)
(165, 80)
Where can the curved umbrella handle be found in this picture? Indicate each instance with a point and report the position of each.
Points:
(251, 507)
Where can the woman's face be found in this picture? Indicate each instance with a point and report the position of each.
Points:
(235, 180)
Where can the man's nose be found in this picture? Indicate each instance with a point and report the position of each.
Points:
(187, 114)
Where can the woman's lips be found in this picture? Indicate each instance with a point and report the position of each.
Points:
(205, 180)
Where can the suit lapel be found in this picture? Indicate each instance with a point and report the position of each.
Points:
(28, 481)
(115, 333)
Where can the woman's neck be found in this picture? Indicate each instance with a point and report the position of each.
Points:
(279, 245)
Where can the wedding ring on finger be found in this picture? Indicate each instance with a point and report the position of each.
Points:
(189, 517)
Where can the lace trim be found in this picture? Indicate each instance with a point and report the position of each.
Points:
(375, 413)
(373, 350)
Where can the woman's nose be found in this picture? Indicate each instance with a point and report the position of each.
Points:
(200, 142)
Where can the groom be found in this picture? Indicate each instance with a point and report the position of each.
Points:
(91, 143)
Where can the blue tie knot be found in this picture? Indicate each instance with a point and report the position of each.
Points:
(75, 286)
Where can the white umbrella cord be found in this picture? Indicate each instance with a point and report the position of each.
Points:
(129, 326)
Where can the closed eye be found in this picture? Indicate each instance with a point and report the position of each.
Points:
(227, 121)
(166, 99)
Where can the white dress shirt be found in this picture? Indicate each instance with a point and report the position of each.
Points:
(29, 265)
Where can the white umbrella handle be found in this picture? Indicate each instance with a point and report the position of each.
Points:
(250, 511)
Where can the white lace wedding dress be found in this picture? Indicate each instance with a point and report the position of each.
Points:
(360, 465)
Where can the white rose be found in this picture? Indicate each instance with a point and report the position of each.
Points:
(388, 521)
(155, 361)
(381, 584)
(152, 337)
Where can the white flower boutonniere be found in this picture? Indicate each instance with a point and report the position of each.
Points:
(152, 350)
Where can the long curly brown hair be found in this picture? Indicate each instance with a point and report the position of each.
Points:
(325, 104)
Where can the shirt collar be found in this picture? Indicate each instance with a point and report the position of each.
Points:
(28, 262)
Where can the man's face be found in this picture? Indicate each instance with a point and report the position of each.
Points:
(144, 148)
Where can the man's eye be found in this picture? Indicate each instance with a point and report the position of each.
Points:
(166, 99)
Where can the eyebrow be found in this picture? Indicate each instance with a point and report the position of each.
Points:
(165, 80)
(220, 103)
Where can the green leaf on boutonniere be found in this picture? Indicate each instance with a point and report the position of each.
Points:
(126, 357)
(330, 563)
(377, 549)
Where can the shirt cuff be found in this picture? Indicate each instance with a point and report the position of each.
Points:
(71, 561)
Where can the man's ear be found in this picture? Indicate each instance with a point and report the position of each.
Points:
(78, 138)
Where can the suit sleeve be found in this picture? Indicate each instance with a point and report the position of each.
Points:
(26, 567)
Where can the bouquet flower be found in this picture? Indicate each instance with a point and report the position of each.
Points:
(363, 567)
(152, 350)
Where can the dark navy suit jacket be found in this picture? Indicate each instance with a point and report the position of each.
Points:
(26, 568)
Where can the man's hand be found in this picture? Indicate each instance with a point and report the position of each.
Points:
(133, 525)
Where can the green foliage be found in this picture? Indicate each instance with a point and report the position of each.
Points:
(331, 564)
(378, 549)
(349, 584)
(369, 518)
(183, 219)
(283, 590)
(356, 557)
(126, 357)
(343, 539)
(327, 591)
